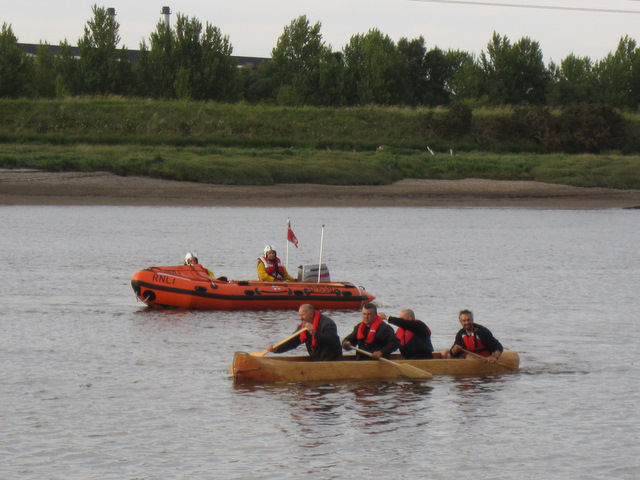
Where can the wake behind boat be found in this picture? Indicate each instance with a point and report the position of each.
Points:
(190, 286)
(252, 368)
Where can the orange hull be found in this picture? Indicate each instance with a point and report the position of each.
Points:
(191, 287)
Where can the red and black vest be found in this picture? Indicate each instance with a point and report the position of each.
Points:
(475, 345)
(404, 336)
(372, 330)
(273, 269)
(316, 324)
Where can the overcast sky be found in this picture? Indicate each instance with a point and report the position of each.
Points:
(253, 26)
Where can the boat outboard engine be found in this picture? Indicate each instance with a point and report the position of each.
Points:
(309, 273)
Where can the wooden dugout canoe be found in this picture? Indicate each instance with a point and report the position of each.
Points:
(251, 368)
(189, 286)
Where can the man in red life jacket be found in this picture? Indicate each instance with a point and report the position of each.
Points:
(321, 339)
(372, 335)
(474, 338)
(270, 267)
(414, 335)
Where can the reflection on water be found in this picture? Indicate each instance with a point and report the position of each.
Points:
(472, 395)
(95, 385)
(376, 407)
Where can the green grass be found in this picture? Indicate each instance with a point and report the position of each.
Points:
(265, 145)
(237, 166)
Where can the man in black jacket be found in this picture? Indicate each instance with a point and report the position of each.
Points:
(372, 335)
(414, 335)
(321, 337)
(474, 338)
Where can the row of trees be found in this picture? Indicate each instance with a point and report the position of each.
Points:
(192, 61)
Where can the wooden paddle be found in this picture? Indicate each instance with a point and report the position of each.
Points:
(262, 354)
(406, 370)
(485, 359)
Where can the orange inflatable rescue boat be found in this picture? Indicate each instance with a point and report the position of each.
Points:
(190, 286)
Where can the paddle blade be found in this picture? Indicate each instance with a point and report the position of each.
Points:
(413, 372)
(260, 354)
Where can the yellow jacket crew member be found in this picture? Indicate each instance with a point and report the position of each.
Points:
(270, 267)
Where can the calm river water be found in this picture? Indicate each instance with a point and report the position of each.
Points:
(94, 385)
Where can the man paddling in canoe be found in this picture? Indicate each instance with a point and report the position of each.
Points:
(321, 336)
(414, 335)
(474, 338)
(372, 335)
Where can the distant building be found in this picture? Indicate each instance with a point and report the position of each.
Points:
(31, 49)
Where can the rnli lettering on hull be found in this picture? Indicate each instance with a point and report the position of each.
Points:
(164, 279)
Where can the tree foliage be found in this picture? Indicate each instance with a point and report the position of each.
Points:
(468, 82)
(617, 75)
(67, 77)
(574, 81)
(103, 68)
(192, 61)
(189, 62)
(375, 72)
(44, 84)
(303, 68)
(515, 73)
(16, 69)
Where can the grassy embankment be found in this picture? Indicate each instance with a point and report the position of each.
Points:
(264, 145)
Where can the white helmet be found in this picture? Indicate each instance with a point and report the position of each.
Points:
(190, 255)
(267, 249)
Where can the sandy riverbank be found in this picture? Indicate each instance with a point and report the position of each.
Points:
(25, 187)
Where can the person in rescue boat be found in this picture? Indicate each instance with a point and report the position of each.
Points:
(474, 338)
(414, 335)
(192, 259)
(270, 267)
(372, 335)
(321, 339)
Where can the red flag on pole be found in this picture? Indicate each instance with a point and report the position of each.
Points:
(290, 235)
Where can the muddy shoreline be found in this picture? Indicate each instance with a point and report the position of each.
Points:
(30, 187)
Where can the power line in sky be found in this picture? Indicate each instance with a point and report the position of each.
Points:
(541, 7)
